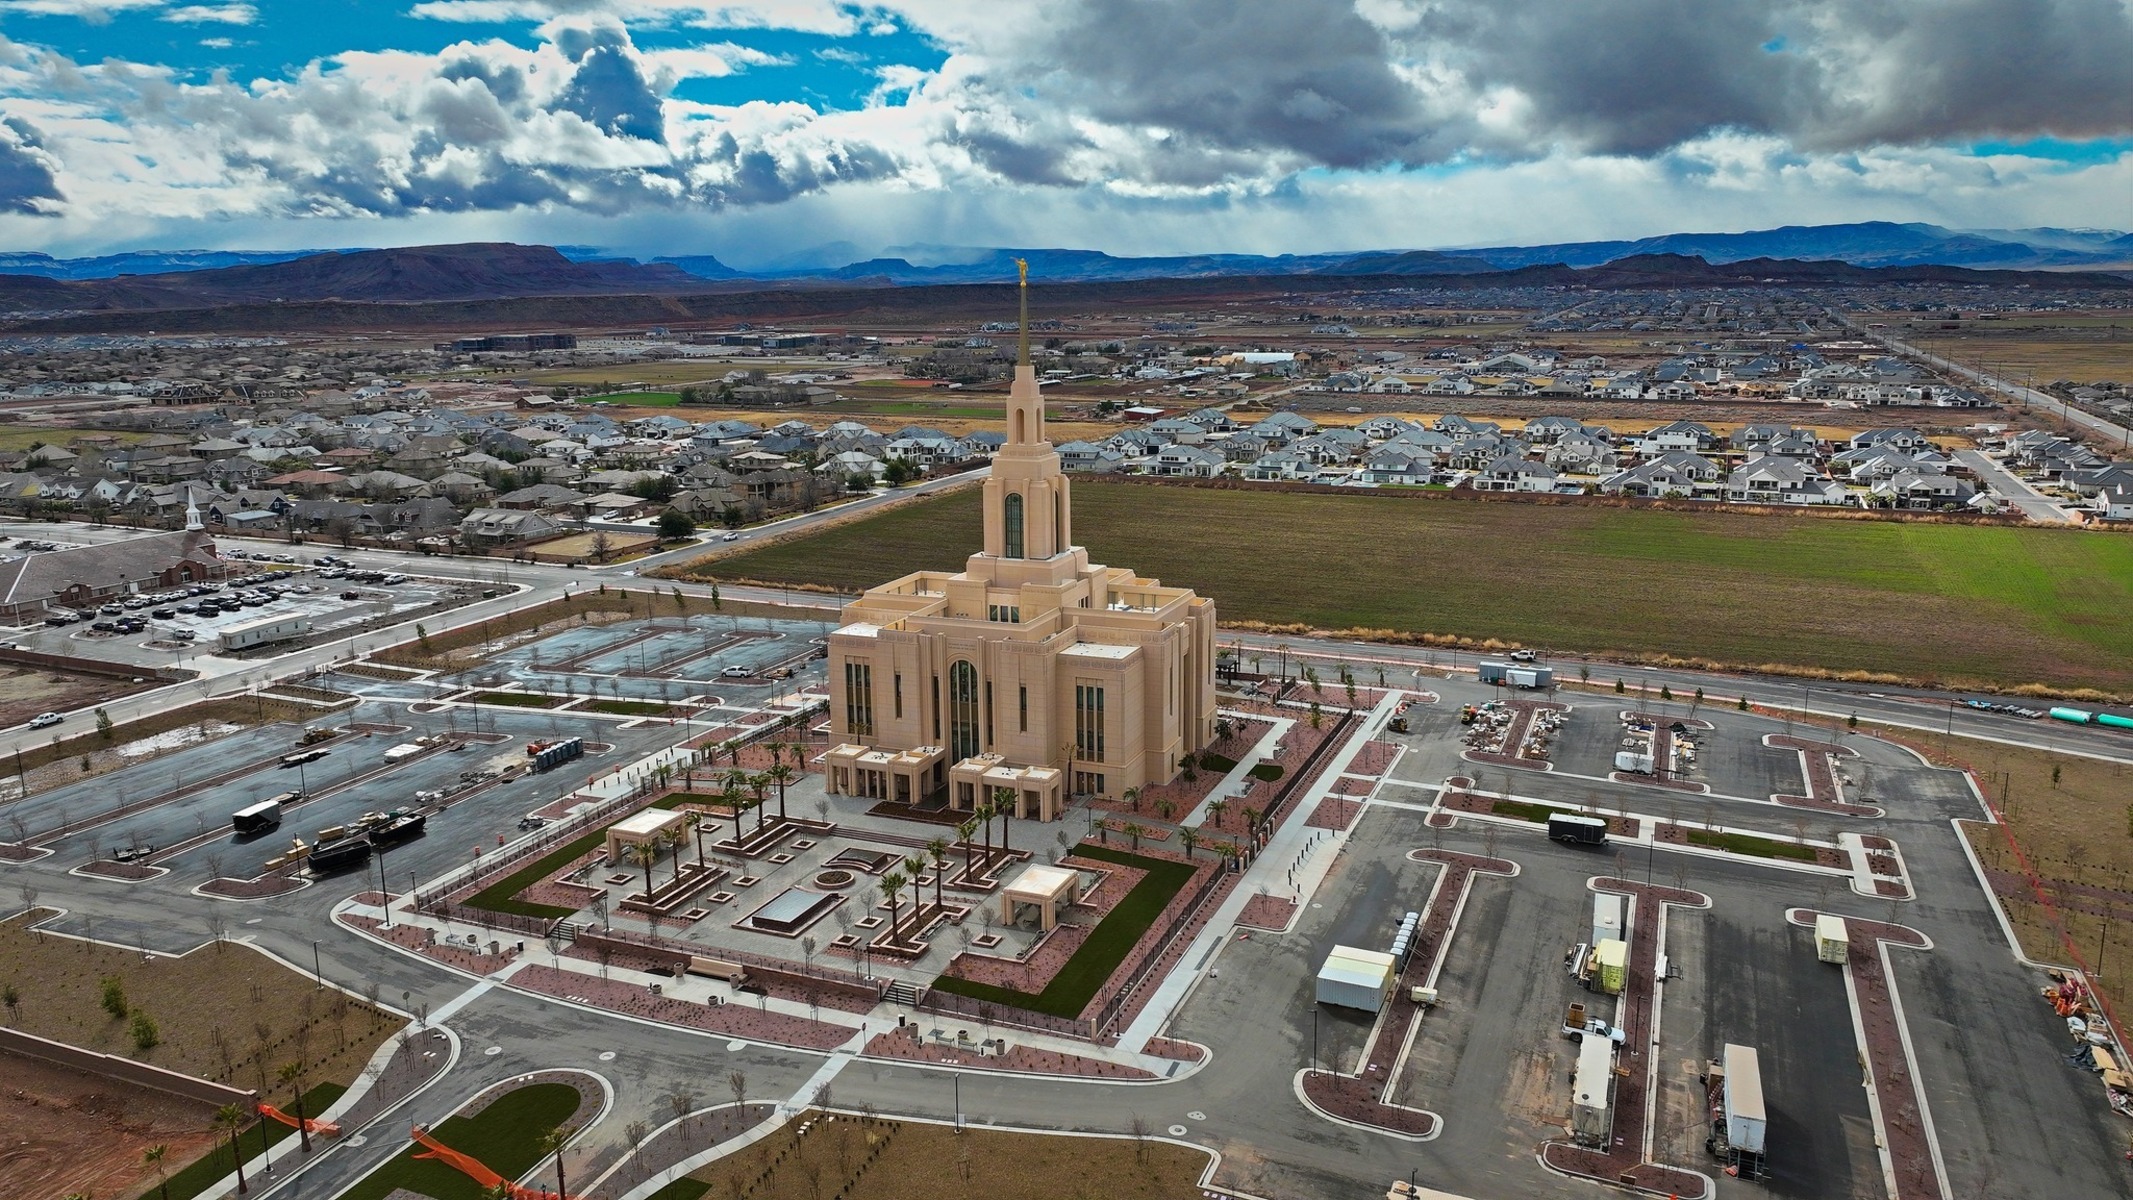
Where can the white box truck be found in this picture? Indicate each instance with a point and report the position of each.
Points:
(1607, 919)
(1591, 1090)
(1353, 978)
(1740, 1128)
(1832, 944)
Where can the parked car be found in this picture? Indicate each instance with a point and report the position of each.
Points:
(736, 673)
(45, 720)
(183, 635)
(351, 595)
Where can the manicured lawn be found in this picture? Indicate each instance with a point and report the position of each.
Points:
(500, 896)
(1266, 772)
(1957, 603)
(504, 1137)
(205, 1170)
(1536, 813)
(517, 699)
(1114, 938)
(628, 708)
(1748, 843)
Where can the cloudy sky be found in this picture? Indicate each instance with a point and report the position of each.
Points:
(769, 130)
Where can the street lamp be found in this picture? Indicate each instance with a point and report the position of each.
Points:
(316, 973)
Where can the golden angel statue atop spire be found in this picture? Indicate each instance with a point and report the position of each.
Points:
(1022, 266)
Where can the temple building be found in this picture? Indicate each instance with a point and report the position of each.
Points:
(1031, 672)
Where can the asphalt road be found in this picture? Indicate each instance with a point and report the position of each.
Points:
(2033, 503)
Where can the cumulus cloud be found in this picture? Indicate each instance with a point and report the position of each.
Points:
(211, 14)
(88, 10)
(26, 182)
(1206, 107)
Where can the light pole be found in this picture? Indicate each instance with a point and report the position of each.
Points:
(958, 1101)
(316, 973)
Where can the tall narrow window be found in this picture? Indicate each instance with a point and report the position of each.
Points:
(936, 709)
(1025, 710)
(988, 714)
(897, 685)
(962, 711)
(859, 699)
(1012, 512)
(1089, 722)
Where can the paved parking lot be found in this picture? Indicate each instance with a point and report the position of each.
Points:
(329, 604)
(661, 658)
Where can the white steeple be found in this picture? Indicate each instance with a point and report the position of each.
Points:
(192, 512)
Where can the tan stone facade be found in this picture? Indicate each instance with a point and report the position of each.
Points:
(1032, 670)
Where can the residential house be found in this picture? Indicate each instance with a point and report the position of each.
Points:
(488, 528)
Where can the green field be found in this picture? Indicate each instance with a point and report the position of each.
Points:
(1960, 604)
(1094, 960)
(504, 1137)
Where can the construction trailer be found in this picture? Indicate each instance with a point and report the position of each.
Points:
(1530, 678)
(1832, 942)
(1607, 913)
(1356, 978)
(1740, 1129)
(257, 818)
(1635, 762)
(265, 631)
(1577, 829)
(1611, 965)
(1592, 1092)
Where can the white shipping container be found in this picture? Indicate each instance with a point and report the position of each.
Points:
(1832, 943)
(1747, 1127)
(402, 752)
(1591, 1088)
(1607, 919)
(1353, 978)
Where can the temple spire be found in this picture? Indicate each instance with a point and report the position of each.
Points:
(1022, 344)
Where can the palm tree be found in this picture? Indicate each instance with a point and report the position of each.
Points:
(1215, 809)
(777, 754)
(1133, 831)
(676, 838)
(916, 865)
(1165, 809)
(1103, 829)
(153, 1157)
(938, 848)
(644, 854)
(1251, 819)
(757, 784)
(694, 822)
(731, 795)
(970, 848)
(230, 1118)
(552, 1142)
(893, 885)
(781, 775)
(1003, 802)
(984, 815)
(292, 1074)
(1132, 797)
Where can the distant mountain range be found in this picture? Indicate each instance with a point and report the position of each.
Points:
(509, 286)
(1863, 244)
